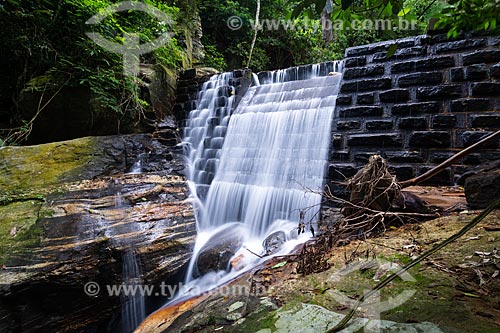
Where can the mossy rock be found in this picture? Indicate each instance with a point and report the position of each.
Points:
(33, 169)
(30, 174)
(18, 228)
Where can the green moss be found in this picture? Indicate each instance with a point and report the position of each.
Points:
(258, 321)
(27, 175)
(36, 170)
(397, 257)
(47, 213)
(18, 228)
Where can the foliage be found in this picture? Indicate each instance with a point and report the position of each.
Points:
(469, 15)
(214, 58)
(454, 15)
(294, 39)
(277, 47)
(345, 13)
(46, 47)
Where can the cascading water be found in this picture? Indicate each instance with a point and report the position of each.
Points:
(133, 306)
(268, 174)
(133, 309)
(136, 168)
(204, 135)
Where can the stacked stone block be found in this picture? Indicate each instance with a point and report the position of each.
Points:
(432, 98)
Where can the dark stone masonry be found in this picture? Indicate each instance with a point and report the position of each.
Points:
(432, 98)
(191, 80)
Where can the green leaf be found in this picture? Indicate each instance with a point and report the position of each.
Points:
(279, 265)
(346, 4)
(392, 49)
(471, 295)
(404, 11)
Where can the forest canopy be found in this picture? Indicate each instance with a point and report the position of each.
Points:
(44, 45)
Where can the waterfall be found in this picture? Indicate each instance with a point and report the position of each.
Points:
(133, 309)
(204, 135)
(267, 172)
(136, 168)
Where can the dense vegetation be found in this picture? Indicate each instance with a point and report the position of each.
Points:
(44, 47)
(298, 36)
(295, 39)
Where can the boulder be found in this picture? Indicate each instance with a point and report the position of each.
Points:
(219, 249)
(483, 187)
(68, 210)
(274, 242)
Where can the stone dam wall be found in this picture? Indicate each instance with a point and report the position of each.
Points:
(432, 98)
(429, 100)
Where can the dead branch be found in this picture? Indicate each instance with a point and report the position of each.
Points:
(346, 202)
(450, 161)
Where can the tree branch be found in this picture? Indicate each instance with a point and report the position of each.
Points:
(449, 161)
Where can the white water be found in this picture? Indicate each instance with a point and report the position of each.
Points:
(275, 149)
(136, 168)
(205, 132)
(271, 166)
(133, 309)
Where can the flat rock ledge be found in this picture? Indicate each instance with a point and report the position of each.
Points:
(69, 211)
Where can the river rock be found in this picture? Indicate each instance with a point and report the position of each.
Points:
(274, 242)
(219, 249)
(483, 187)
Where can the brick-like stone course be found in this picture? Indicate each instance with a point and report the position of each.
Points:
(429, 100)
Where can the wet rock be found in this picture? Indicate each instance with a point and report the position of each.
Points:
(417, 79)
(355, 62)
(216, 253)
(439, 92)
(366, 85)
(75, 211)
(410, 203)
(485, 89)
(348, 125)
(361, 111)
(352, 73)
(379, 125)
(394, 96)
(314, 318)
(430, 139)
(368, 98)
(413, 108)
(483, 56)
(273, 242)
(482, 188)
(444, 121)
(375, 140)
(413, 123)
(344, 100)
(470, 105)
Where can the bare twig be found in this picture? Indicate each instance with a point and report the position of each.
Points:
(450, 161)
